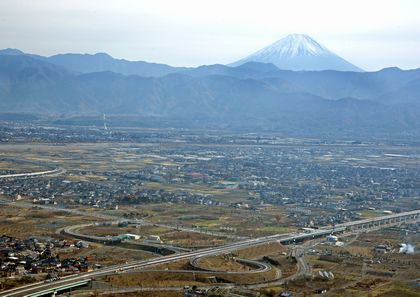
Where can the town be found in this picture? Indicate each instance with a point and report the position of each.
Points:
(134, 193)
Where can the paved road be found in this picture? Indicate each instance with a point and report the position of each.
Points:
(387, 217)
(34, 174)
(23, 291)
(97, 214)
(74, 231)
(256, 266)
(182, 256)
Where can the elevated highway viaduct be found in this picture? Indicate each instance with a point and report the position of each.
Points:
(381, 222)
(363, 225)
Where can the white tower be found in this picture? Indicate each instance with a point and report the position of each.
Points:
(105, 127)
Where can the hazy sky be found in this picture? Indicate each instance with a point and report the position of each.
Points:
(372, 34)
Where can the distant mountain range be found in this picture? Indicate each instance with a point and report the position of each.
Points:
(86, 63)
(250, 96)
(299, 52)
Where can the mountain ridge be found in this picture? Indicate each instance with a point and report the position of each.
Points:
(85, 63)
(254, 95)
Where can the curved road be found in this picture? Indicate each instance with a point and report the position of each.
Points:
(74, 231)
(284, 238)
(32, 174)
(257, 265)
(33, 288)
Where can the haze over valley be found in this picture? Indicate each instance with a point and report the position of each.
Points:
(209, 148)
(295, 84)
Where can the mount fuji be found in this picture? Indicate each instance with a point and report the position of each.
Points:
(299, 52)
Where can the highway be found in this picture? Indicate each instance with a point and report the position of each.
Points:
(30, 289)
(34, 174)
(283, 238)
(255, 265)
(172, 258)
(99, 215)
(150, 246)
(381, 218)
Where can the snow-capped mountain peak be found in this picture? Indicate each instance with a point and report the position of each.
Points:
(299, 52)
(295, 45)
